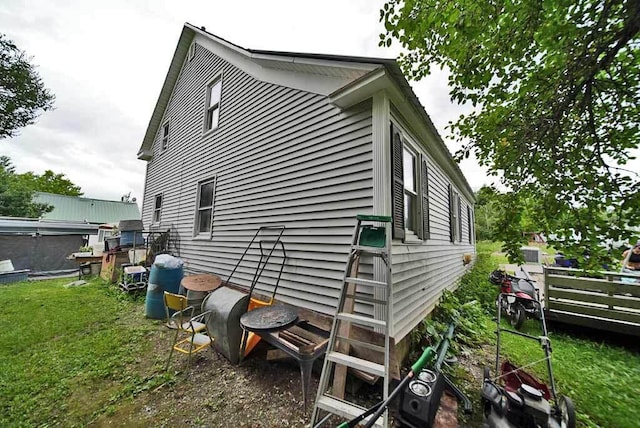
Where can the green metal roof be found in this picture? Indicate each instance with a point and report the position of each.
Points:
(98, 211)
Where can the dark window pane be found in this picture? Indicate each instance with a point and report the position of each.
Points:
(206, 195)
(158, 202)
(204, 220)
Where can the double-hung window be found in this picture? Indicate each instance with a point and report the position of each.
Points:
(204, 212)
(212, 114)
(165, 136)
(410, 189)
(455, 216)
(157, 208)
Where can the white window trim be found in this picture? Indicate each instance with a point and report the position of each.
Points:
(196, 224)
(164, 139)
(158, 210)
(408, 142)
(207, 94)
(192, 51)
(406, 146)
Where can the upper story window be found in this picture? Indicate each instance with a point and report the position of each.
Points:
(204, 213)
(157, 208)
(192, 51)
(212, 114)
(165, 136)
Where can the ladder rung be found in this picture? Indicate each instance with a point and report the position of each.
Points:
(380, 218)
(371, 346)
(368, 282)
(357, 363)
(360, 320)
(343, 408)
(374, 251)
(365, 298)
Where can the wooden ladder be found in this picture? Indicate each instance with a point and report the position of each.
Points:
(371, 237)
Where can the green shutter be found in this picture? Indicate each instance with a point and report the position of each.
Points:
(424, 190)
(397, 184)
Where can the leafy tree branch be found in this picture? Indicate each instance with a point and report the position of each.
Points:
(556, 91)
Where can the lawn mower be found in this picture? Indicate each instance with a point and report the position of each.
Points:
(522, 300)
(515, 398)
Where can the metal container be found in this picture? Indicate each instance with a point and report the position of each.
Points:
(227, 306)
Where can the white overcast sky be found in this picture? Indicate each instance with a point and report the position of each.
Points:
(106, 62)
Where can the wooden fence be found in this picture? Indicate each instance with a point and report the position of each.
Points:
(610, 301)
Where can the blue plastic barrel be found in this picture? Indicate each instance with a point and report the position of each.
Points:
(161, 280)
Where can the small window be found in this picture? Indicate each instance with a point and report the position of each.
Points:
(192, 51)
(157, 208)
(214, 92)
(470, 224)
(455, 222)
(103, 234)
(165, 136)
(410, 191)
(204, 215)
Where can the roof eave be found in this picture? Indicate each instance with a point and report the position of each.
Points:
(393, 81)
(186, 37)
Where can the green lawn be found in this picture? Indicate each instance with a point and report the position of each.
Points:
(602, 379)
(68, 354)
(71, 356)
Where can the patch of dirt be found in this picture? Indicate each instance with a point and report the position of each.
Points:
(212, 392)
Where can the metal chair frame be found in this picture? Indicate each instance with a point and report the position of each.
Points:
(183, 321)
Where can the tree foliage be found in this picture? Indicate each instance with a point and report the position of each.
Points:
(17, 190)
(22, 92)
(555, 87)
(49, 182)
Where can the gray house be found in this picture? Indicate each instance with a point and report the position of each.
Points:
(243, 138)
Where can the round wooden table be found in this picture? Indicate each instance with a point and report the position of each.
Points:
(197, 287)
(206, 282)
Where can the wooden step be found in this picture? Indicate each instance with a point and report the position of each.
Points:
(344, 409)
(361, 320)
(357, 363)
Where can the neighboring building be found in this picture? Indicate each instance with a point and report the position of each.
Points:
(242, 138)
(102, 214)
(43, 245)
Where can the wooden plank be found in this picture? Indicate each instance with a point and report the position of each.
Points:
(309, 335)
(595, 323)
(598, 298)
(358, 333)
(606, 313)
(593, 284)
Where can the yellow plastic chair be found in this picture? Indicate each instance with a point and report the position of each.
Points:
(192, 334)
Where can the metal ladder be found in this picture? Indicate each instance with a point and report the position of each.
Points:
(371, 237)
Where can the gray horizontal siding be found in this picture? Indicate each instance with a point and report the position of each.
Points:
(281, 157)
(422, 271)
